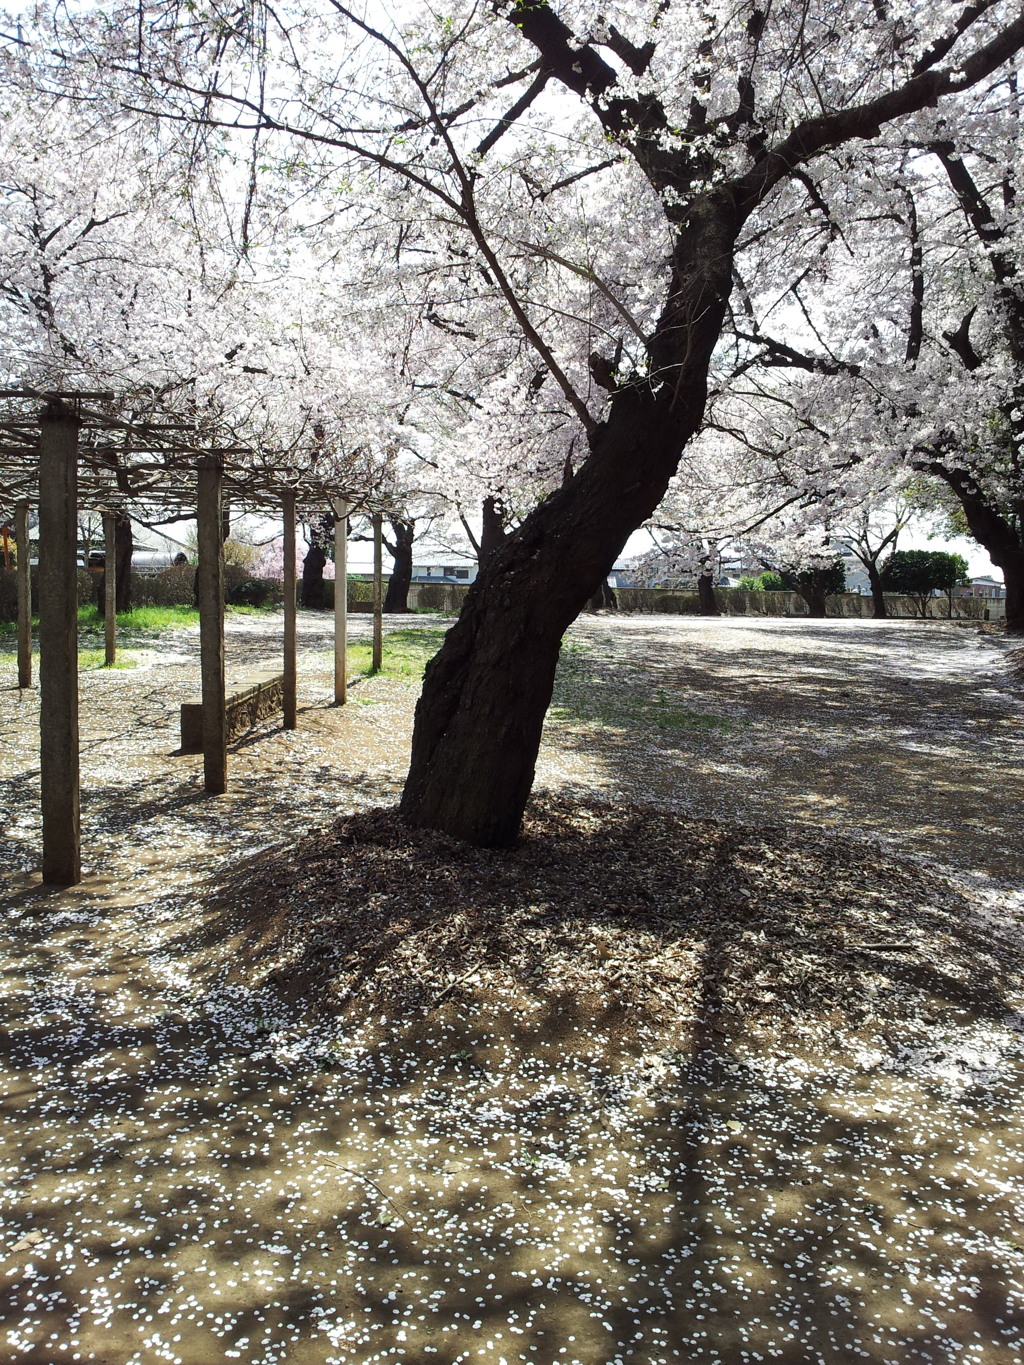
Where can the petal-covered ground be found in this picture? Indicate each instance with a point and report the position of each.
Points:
(726, 1068)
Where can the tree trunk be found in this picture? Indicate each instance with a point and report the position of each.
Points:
(480, 714)
(1012, 564)
(397, 597)
(707, 603)
(124, 546)
(814, 596)
(878, 607)
(313, 577)
(604, 598)
(321, 532)
(1001, 535)
(479, 717)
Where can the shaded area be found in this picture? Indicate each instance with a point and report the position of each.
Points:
(614, 906)
(910, 732)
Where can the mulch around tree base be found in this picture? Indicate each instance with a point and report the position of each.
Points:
(643, 919)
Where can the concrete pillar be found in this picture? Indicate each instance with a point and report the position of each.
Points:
(340, 601)
(24, 596)
(109, 589)
(377, 657)
(211, 624)
(290, 679)
(58, 644)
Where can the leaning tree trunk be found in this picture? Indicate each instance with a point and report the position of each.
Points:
(479, 718)
(485, 693)
(396, 599)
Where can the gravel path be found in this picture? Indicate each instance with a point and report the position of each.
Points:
(196, 1169)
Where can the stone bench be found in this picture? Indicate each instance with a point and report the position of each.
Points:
(250, 697)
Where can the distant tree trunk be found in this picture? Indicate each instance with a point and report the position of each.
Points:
(878, 608)
(604, 599)
(707, 603)
(811, 586)
(124, 546)
(321, 534)
(396, 598)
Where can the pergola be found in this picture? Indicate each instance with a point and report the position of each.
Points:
(69, 452)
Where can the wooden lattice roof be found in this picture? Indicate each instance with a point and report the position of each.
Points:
(148, 465)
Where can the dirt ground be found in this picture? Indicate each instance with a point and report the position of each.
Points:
(775, 1120)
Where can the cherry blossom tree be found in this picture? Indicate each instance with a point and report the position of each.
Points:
(914, 366)
(633, 165)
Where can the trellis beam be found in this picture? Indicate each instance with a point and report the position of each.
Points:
(24, 574)
(211, 625)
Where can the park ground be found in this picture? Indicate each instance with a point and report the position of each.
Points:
(722, 1064)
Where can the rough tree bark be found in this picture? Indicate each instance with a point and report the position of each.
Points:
(396, 598)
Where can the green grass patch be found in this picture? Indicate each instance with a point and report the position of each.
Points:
(406, 654)
(87, 659)
(93, 658)
(141, 621)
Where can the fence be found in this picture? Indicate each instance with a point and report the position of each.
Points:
(175, 586)
(750, 602)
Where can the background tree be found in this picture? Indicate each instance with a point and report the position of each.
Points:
(871, 534)
(922, 573)
(319, 533)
